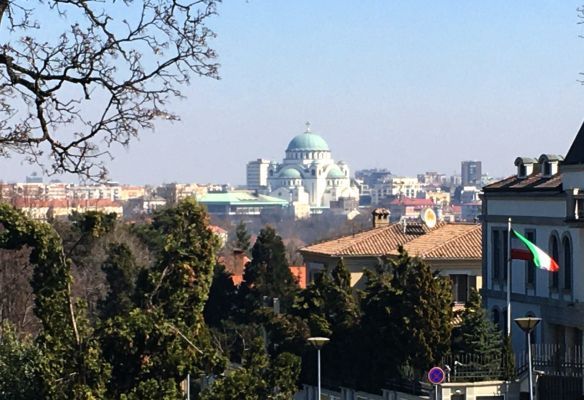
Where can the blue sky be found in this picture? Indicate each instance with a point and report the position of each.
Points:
(411, 86)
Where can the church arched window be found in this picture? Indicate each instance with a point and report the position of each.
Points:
(555, 253)
(567, 263)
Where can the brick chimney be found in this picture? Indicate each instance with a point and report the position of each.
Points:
(380, 217)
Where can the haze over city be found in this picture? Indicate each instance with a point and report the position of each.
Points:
(304, 200)
(408, 86)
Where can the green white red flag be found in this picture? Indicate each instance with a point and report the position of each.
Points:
(533, 253)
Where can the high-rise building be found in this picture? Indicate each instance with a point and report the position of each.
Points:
(470, 173)
(257, 174)
(34, 178)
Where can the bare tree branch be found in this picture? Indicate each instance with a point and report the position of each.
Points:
(106, 77)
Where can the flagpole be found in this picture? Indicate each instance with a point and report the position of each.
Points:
(509, 277)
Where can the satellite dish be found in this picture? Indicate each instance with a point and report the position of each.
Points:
(429, 217)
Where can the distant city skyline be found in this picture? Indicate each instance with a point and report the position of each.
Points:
(408, 86)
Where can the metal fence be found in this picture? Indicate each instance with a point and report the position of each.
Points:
(553, 359)
(473, 368)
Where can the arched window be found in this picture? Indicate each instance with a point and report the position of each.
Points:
(567, 263)
(555, 253)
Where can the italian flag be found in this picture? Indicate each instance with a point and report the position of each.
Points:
(534, 253)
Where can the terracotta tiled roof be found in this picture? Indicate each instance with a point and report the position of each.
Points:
(374, 242)
(446, 241)
(451, 241)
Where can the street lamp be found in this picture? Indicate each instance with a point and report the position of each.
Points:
(527, 325)
(318, 342)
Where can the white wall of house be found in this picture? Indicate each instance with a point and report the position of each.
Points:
(545, 215)
(538, 207)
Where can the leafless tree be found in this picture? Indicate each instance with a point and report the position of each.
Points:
(77, 76)
(16, 299)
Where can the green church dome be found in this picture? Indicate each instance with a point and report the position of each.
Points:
(290, 173)
(335, 173)
(308, 141)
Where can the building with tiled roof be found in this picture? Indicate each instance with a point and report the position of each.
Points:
(43, 209)
(544, 200)
(407, 207)
(454, 249)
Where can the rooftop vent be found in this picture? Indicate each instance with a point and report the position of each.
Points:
(524, 166)
(549, 164)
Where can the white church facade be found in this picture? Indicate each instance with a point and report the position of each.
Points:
(307, 176)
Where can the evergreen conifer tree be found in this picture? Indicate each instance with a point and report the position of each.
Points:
(259, 377)
(222, 302)
(66, 342)
(407, 318)
(477, 334)
(163, 337)
(268, 274)
(478, 339)
(242, 237)
(20, 366)
(120, 271)
(507, 360)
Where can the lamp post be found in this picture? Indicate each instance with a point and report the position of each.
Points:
(318, 342)
(527, 325)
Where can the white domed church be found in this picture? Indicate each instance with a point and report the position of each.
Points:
(308, 174)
